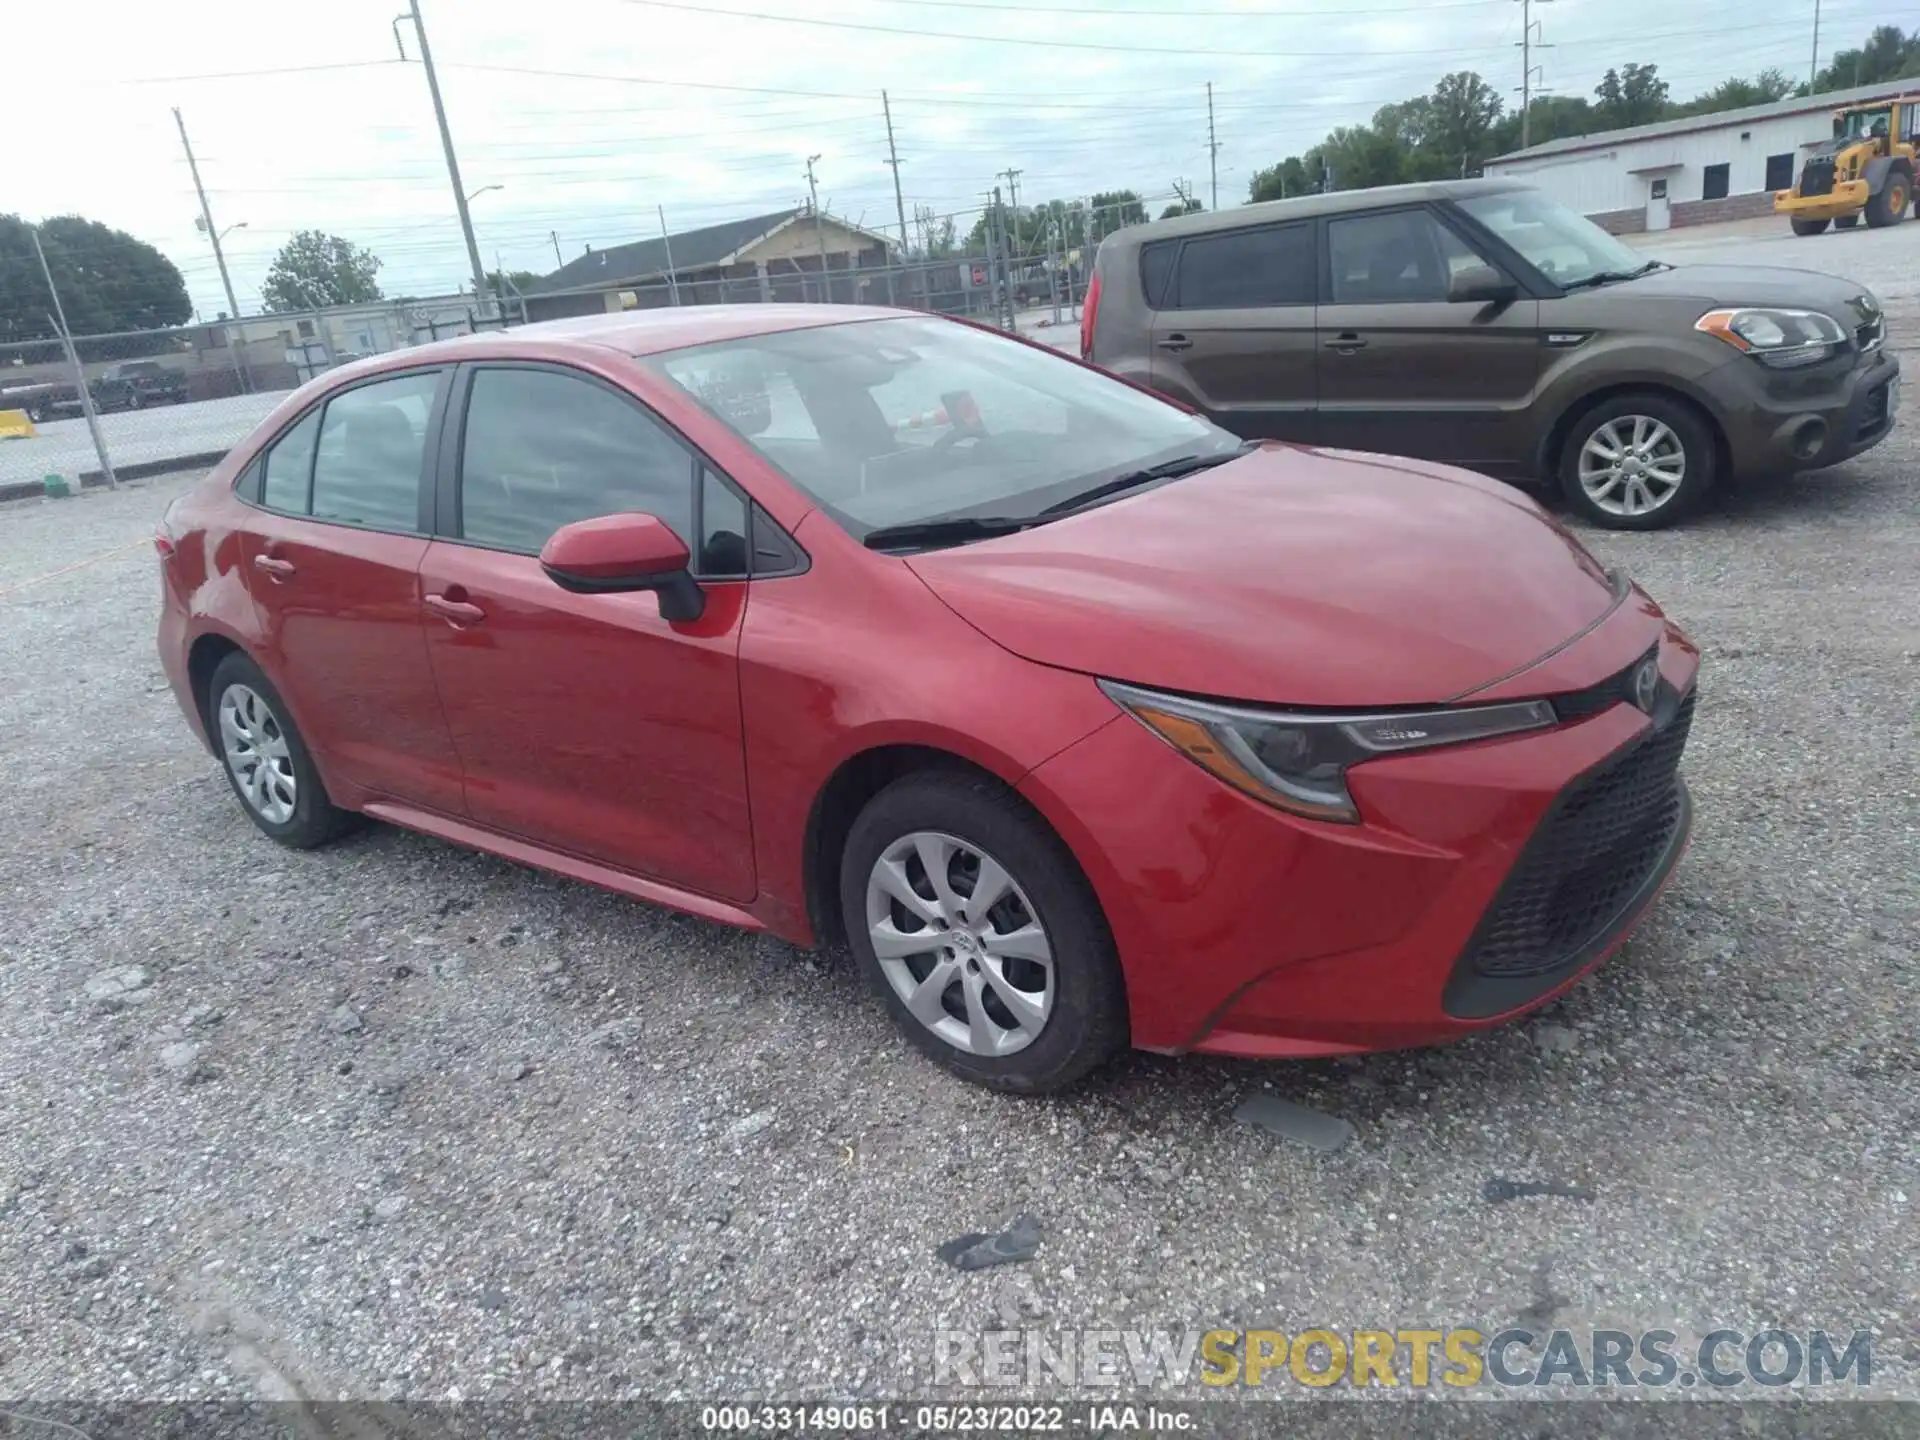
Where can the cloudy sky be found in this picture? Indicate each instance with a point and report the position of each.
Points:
(590, 113)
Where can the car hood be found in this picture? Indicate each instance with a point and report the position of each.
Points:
(1747, 285)
(1289, 577)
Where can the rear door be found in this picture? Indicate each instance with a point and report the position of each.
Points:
(331, 557)
(588, 723)
(1233, 332)
(1404, 370)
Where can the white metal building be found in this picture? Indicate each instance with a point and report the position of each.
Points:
(1687, 172)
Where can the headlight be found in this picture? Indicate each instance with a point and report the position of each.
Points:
(1299, 763)
(1781, 338)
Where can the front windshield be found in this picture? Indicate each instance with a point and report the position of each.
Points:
(1858, 123)
(1564, 246)
(892, 422)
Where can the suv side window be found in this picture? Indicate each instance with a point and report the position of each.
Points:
(289, 467)
(372, 440)
(1247, 269)
(1399, 257)
(544, 449)
(1156, 269)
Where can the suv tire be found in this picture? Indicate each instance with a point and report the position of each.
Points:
(1638, 461)
(971, 995)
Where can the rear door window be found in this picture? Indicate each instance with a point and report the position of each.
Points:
(372, 440)
(1156, 269)
(1248, 269)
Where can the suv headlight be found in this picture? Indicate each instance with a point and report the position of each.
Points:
(1781, 338)
(1299, 763)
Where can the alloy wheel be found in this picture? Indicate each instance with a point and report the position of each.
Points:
(1632, 465)
(255, 748)
(960, 943)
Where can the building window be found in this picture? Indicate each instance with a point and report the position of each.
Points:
(1780, 172)
(1713, 183)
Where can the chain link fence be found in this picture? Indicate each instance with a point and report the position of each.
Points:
(167, 400)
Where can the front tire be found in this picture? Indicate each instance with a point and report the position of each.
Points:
(1808, 227)
(1889, 207)
(984, 940)
(1638, 461)
(1846, 222)
(267, 763)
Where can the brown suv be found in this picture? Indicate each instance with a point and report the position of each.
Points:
(1479, 323)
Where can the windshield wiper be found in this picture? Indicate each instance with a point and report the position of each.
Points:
(1608, 277)
(1133, 479)
(951, 530)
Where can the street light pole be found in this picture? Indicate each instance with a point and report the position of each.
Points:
(446, 143)
(206, 216)
(820, 232)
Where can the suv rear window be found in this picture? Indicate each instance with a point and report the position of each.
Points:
(1248, 269)
(1156, 268)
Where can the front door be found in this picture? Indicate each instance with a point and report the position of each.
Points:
(585, 723)
(1659, 213)
(1406, 371)
(332, 558)
(1234, 330)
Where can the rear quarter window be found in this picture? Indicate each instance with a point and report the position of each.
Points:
(1156, 271)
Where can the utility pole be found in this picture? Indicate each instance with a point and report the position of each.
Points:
(480, 293)
(59, 318)
(1813, 70)
(554, 235)
(893, 159)
(219, 258)
(1013, 194)
(673, 283)
(819, 230)
(1528, 44)
(1213, 150)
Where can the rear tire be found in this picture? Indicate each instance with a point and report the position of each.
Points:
(1808, 227)
(1638, 461)
(1889, 207)
(266, 761)
(974, 993)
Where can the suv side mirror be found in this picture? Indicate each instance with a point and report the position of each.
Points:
(1481, 284)
(630, 551)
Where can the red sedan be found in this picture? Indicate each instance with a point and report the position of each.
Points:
(1083, 723)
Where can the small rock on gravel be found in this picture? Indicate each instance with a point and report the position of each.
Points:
(345, 1020)
(1019, 1241)
(752, 1125)
(390, 1207)
(180, 1056)
(114, 989)
(1313, 1128)
(1555, 1040)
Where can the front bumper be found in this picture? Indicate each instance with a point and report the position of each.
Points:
(1246, 931)
(1777, 422)
(1848, 197)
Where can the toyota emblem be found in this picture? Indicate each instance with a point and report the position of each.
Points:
(1646, 684)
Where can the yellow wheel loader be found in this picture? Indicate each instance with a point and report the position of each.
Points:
(1866, 169)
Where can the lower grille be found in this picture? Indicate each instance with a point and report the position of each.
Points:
(1874, 416)
(1816, 178)
(1590, 856)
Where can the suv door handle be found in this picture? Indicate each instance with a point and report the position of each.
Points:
(274, 566)
(1345, 343)
(455, 612)
(1175, 342)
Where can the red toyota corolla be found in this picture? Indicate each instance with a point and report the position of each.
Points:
(1082, 722)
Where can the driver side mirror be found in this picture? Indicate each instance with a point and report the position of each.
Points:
(614, 554)
(1481, 284)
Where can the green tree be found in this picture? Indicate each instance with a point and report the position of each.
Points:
(1182, 207)
(1631, 95)
(508, 282)
(1889, 54)
(315, 269)
(1737, 93)
(1459, 128)
(108, 280)
(1358, 157)
(1114, 208)
(1289, 178)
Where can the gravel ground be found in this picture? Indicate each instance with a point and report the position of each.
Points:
(157, 432)
(393, 1119)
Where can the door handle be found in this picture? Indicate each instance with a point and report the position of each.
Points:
(455, 612)
(1345, 343)
(274, 566)
(1175, 342)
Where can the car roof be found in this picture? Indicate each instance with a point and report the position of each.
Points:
(1303, 207)
(639, 332)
